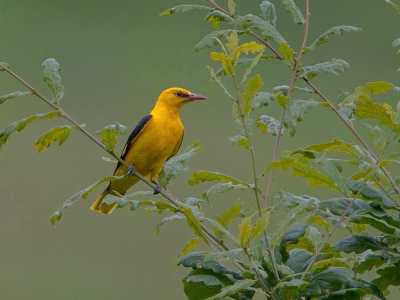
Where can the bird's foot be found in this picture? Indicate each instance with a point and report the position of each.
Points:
(131, 170)
(157, 188)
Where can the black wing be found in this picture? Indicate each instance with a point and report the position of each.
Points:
(132, 136)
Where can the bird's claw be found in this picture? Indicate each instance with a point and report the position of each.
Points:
(131, 170)
(157, 188)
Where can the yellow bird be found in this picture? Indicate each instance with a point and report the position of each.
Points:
(155, 139)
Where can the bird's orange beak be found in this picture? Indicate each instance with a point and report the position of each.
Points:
(192, 97)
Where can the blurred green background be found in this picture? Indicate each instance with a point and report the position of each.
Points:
(116, 57)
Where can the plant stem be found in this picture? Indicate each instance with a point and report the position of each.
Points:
(166, 194)
(242, 115)
(354, 131)
(255, 268)
(291, 82)
(346, 210)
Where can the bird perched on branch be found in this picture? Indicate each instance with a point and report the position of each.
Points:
(155, 139)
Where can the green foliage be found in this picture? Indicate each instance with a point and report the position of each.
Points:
(332, 66)
(177, 164)
(294, 258)
(53, 79)
(81, 194)
(59, 133)
(338, 30)
(20, 125)
(109, 135)
(13, 95)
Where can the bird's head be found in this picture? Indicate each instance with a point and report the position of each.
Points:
(177, 97)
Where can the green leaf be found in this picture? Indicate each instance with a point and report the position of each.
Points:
(211, 39)
(231, 6)
(298, 259)
(331, 279)
(328, 147)
(301, 167)
(337, 206)
(334, 174)
(296, 112)
(282, 100)
(109, 135)
(365, 108)
(245, 232)
(294, 11)
(194, 223)
(58, 133)
(291, 236)
(370, 193)
(267, 123)
(252, 65)
(203, 176)
(13, 95)
(194, 259)
(229, 290)
(20, 125)
(53, 79)
(396, 7)
(345, 293)
(201, 284)
(227, 217)
(388, 276)
(3, 64)
(268, 31)
(177, 164)
(289, 289)
(369, 261)
(168, 219)
(224, 231)
(240, 140)
(81, 194)
(263, 99)
(288, 54)
(186, 8)
(377, 87)
(377, 221)
(226, 61)
(360, 243)
(260, 226)
(338, 30)
(325, 264)
(268, 12)
(222, 188)
(332, 66)
(216, 16)
(378, 136)
(224, 255)
(191, 245)
(250, 92)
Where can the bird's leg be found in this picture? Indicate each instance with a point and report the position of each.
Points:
(157, 188)
(131, 170)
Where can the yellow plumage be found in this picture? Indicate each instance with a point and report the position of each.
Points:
(155, 139)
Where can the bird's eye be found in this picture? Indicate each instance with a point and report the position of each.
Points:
(179, 94)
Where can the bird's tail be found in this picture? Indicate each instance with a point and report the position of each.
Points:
(103, 208)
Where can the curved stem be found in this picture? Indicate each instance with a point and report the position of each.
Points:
(354, 131)
(291, 82)
(166, 194)
(260, 279)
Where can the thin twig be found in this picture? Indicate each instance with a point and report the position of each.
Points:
(166, 194)
(291, 82)
(354, 131)
(260, 278)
